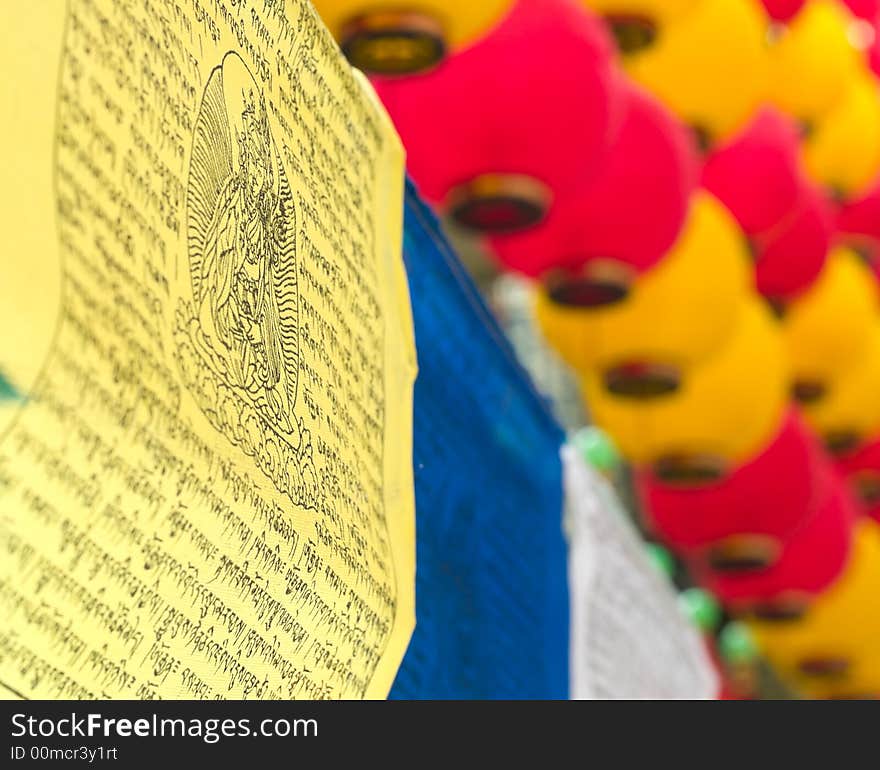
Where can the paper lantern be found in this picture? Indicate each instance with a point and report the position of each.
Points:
(842, 152)
(833, 651)
(384, 36)
(757, 174)
(829, 327)
(858, 221)
(708, 66)
(847, 414)
(632, 214)
(873, 53)
(858, 227)
(790, 257)
(812, 60)
(724, 411)
(497, 132)
(747, 515)
(808, 563)
(869, 10)
(782, 10)
(658, 11)
(862, 470)
(676, 313)
(637, 24)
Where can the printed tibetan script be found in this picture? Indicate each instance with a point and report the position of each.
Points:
(205, 428)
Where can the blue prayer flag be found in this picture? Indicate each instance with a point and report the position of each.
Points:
(491, 588)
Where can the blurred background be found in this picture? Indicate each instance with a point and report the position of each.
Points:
(673, 208)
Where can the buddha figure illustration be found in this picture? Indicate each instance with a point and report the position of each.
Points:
(242, 246)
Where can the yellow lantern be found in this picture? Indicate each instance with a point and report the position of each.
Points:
(848, 413)
(676, 313)
(726, 409)
(637, 24)
(833, 651)
(812, 59)
(393, 38)
(842, 152)
(709, 66)
(659, 10)
(828, 328)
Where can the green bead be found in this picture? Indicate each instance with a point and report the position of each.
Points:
(701, 607)
(662, 559)
(736, 643)
(7, 390)
(597, 449)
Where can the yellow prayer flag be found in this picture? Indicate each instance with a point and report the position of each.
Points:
(206, 487)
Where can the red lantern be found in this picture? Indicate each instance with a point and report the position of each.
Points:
(862, 470)
(497, 132)
(758, 175)
(858, 226)
(791, 257)
(754, 510)
(810, 561)
(874, 53)
(634, 210)
(858, 222)
(869, 10)
(782, 10)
